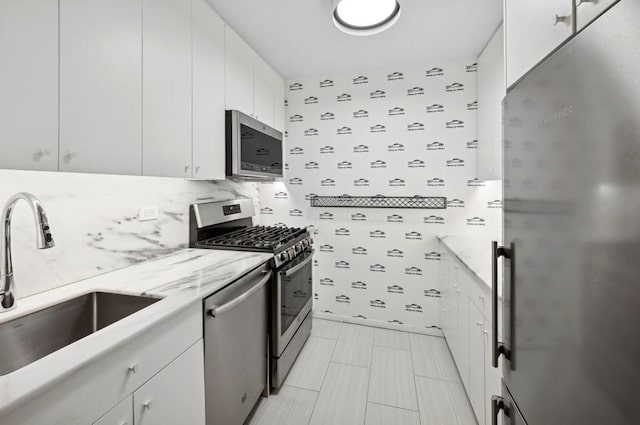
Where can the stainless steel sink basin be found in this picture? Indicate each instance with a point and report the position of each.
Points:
(31, 337)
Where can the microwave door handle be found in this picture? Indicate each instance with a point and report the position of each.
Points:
(297, 267)
(215, 311)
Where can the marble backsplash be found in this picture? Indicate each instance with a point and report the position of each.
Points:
(94, 222)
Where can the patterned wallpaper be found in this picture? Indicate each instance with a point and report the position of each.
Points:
(395, 133)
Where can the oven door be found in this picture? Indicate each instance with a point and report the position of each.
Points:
(292, 299)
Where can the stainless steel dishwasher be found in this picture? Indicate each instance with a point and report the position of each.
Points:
(236, 350)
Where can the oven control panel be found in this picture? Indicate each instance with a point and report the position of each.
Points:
(231, 209)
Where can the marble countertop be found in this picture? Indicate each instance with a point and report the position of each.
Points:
(182, 279)
(474, 253)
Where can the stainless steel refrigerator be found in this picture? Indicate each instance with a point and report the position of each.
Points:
(570, 346)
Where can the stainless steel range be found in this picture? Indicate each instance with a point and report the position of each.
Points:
(229, 225)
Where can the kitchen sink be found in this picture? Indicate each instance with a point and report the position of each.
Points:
(28, 338)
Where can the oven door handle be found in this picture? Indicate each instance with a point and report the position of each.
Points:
(297, 267)
(215, 311)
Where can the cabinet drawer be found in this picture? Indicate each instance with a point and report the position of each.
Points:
(588, 11)
(122, 414)
(92, 390)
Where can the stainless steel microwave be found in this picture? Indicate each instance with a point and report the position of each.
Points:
(254, 150)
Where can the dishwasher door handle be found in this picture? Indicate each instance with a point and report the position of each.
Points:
(215, 311)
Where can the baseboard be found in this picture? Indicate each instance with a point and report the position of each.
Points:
(378, 324)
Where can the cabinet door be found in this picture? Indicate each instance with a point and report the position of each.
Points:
(263, 91)
(476, 387)
(492, 375)
(101, 86)
(279, 108)
(491, 92)
(534, 28)
(122, 414)
(462, 313)
(176, 394)
(167, 88)
(588, 10)
(29, 84)
(238, 72)
(208, 93)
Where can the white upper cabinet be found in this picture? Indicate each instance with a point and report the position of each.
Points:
(263, 91)
(101, 86)
(167, 88)
(589, 10)
(280, 114)
(29, 84)
(251, 85)
(208, 93)
(534, 28)
(238, 73)
(491, 92)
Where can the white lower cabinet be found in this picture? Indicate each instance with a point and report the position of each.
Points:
(122, 414)
(176, 394)
(588, 10)
(465, 317)
(171, 351)
(476, 387)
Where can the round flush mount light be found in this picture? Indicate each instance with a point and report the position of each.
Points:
(365, 17)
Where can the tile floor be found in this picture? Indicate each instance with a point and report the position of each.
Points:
(358, 375)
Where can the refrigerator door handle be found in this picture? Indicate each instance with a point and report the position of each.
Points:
(498, 348)
(498, 404)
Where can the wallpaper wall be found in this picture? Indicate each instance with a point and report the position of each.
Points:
(399, 132)
(94, 222)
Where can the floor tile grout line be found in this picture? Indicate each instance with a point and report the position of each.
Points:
(366, 403)
(324, 376)
(324, 337)
(407, 331)
(393, 407)
(415, 385)
(437, 379)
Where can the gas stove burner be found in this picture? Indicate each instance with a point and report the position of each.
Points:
(268, 238)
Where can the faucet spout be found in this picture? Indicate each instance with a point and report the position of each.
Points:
(44, 240)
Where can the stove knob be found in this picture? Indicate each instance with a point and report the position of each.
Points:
(284, 256)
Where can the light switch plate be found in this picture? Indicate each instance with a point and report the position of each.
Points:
(148, 213)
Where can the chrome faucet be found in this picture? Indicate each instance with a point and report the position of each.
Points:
(44, 240)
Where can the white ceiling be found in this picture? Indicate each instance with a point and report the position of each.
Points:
(298, 37)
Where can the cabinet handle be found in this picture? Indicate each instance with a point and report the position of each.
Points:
(41, 153)
(562, 20)
(186, 168)
(197, 169)
(580, 2)
(498, 404)
(148, 404)
(133, 368)
(70, 155)
(479, 323)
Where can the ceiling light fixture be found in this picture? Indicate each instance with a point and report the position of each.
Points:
(365, 17)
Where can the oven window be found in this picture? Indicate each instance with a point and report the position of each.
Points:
(260, 152)
(296, 291)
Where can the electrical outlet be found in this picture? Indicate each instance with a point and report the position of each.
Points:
(148, 213)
